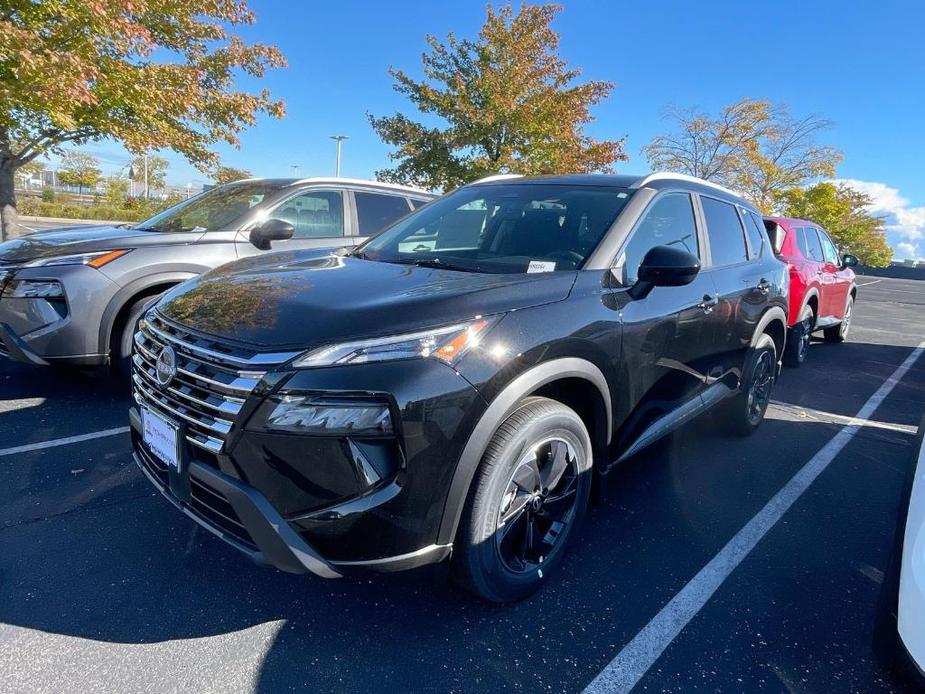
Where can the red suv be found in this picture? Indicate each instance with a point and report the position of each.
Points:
(822, 287)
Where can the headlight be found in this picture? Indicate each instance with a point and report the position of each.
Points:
(34, 289)
(448, 344)
(97, 259)
(301, 413)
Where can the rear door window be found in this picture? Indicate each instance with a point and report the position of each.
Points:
(727, 239)
(376, 211)
(813, 247)
(669, 222)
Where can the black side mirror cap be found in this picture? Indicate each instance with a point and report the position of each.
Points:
(848, 260)
(664, 266)
(271, 230)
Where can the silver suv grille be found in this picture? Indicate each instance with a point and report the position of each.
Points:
(213, 378)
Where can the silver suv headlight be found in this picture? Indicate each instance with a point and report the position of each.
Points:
(447, 343)
(97, 259)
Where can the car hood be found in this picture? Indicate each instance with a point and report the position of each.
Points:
(299, 301)
(84, 239)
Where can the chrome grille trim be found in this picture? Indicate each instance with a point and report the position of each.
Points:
(212, 382)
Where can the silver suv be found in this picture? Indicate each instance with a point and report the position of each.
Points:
(73, 295)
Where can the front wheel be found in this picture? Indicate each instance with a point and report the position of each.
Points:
(839, 333)
(745, 411)
(527, 500)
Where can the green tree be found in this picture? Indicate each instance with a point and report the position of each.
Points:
(229, 174)
(72, 71)
(116, 191)
(754, 146)
(844, 213)
(78, 169)
(157, 172)
(505, 102)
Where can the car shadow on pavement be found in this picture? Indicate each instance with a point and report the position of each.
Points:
(137, 572)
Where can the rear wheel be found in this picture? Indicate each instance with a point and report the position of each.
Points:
(745, 411)
(798, 338)
(528, 497)
(839, 333)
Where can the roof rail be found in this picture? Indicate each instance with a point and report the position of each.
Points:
(496, 177)
(358, 181)
(667, 176)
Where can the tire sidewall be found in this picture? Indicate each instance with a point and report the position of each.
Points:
(742, 424)
(499, 582)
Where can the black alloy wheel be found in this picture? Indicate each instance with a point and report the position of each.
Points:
(538, 505)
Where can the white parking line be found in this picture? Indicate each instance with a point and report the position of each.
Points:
(64, 441)
(866, 284)
(631, 663)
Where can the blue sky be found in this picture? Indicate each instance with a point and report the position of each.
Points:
(860, 64)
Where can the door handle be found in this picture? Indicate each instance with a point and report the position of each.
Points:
(763, 286)
(708, 304)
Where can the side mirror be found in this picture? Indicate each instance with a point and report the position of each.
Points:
(848, 260)
(271, 230)
(664, 266)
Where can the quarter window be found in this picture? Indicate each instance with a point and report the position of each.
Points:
(727, 242)
(669, 222)
(314, 214)
(754, 229)
(375, 212)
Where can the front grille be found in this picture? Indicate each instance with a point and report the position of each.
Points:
(213, 379)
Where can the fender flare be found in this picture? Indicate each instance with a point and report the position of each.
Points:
(130, 291)
(500, 408)
(810, 293)
(775, 313)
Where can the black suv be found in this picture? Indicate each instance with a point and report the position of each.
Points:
(450, 388)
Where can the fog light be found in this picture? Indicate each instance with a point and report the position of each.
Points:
(29, 289)
(303, 414)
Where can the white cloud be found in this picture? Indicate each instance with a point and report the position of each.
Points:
(904, 224)
(905, 250)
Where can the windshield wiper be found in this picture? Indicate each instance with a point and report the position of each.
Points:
(438, 264)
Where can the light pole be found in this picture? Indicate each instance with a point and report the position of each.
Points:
(295, 170)
(339, 140)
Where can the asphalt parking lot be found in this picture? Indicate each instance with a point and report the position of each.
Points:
(106, 587)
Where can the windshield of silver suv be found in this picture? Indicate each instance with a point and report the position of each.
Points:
(513, 228)
(214, 210)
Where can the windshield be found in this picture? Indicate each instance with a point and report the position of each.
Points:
(214, 210)
(503, 228)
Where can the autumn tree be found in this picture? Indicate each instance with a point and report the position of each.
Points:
(31, 170)
(72, 71)
(757, 147)
(157, 172)
(505, 102)
(79, 169)
(845, 213)
(229, 174)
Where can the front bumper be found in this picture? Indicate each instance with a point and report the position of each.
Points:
(232, 511)
(40, 331)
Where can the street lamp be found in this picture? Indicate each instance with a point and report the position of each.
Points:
(295, 170)
(339, 140)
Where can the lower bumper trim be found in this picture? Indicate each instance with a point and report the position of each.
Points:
(17, 349)
(432, 554)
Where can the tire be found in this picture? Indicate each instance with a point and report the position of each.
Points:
(839, 333)
(745, 411)
(536, 471)
(798, 338)
(121, 351)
